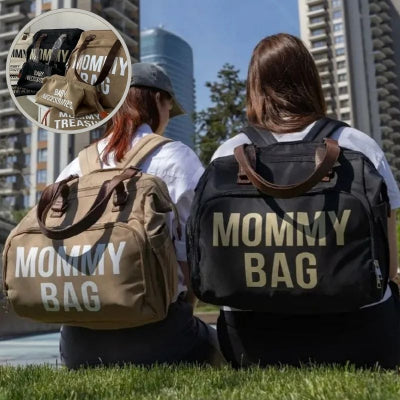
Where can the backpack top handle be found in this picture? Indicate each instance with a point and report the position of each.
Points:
(106, 66)
(332, 152)
(51, 194)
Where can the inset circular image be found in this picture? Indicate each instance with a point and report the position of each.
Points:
(68, 70)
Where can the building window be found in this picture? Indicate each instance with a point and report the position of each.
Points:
(320, 56)
(343, 90)
(342, 77)
(27, 160)
(95, 135)
(338, 27)
(42, 155)
(28, 140)
(41, 176)
(26, 200)
(344, 103)
(339, 39)
(9, 201)
(42, 135)
(316, 20)
(27, 179)
(345, 116)
(11, 179)
(336, 3)
(341, 64)
(11, 159)
(319, 43)
(317, 32)
(337, 14)
(340, 51)
(316, 7)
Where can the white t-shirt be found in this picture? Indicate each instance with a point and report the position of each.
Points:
(347, 137)
(177, 165)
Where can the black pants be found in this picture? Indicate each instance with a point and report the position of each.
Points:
(179, 338)
(365, 338)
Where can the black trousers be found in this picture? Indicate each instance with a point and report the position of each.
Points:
(365, 338)
(179, 338)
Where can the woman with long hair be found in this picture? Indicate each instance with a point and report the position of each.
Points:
(180, 337)
(285, 97)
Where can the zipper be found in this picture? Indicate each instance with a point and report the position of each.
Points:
(378, 274)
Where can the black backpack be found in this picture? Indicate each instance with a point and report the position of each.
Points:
(47, 55)
(259, 240)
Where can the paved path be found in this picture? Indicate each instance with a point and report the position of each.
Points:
(39, 349)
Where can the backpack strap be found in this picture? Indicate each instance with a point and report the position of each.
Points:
(89, 159)
(136, 155)
(322, 129)
(259, 137)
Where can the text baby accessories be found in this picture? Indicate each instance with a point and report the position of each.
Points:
(96, 251)
(290, 227)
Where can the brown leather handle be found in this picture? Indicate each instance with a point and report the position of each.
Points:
(51, 193)
(332, 151)
(112, 54)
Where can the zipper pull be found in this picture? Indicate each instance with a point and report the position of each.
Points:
(378, 273)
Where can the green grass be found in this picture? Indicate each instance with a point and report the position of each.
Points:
(199, 383)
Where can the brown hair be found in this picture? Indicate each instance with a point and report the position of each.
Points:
(139, 107)
(284, 92)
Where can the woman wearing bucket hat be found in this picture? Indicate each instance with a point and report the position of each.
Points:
(180, 337)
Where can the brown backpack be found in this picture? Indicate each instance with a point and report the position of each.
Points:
(96, 251)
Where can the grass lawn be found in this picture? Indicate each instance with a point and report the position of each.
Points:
(197, 383)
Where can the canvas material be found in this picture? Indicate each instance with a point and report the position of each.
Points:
(63, 121)
(91, 61)
(70, 96)
(18, 56)
(120, 273)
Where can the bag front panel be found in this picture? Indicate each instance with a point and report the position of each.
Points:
(337, 276)
(107, 277)
(33, 74)
(59, 93)
(46, 45)
(18, 57)
(92, 60)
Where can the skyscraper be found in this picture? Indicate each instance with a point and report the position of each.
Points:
(356, 46)
(172, 53)
(31, 158)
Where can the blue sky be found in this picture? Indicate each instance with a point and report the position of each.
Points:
(220, 31)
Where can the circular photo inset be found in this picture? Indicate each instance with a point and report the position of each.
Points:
(68, 70)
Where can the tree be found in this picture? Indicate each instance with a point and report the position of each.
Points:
(226, 117)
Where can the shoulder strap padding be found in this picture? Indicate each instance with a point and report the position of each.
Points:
(136, 155)
(322, 129)
(89, 159)
(259, 137)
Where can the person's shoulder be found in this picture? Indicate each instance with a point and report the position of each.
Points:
(226, 148)
(354, 139)
(178, 159)
(73, 168)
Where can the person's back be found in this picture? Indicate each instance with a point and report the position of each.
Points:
(179, 337)
(284, 96)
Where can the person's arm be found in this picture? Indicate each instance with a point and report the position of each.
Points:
(190, 296)
(392, 236)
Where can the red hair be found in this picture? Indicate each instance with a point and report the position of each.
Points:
(139, 107)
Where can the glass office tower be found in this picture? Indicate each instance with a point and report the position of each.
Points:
(172, 53)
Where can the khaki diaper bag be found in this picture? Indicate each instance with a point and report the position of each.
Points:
(89, 61)
(96, 251)
(73, 95)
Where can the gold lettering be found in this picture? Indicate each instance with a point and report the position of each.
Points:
(257, 229)
(303, 228)
(280, 264)
(252, 270)
(311, 272)
(272, 229)
(339, 226)
(230, 236)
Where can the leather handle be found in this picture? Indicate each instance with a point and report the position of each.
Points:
(35, 48)
(332, 151)
(107, 64)
(95, 212)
